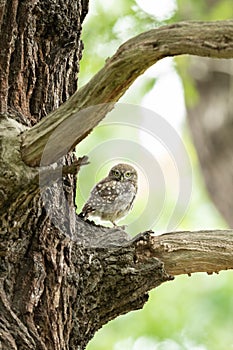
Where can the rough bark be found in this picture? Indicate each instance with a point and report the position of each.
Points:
(63, 278)
(40, 52)
(62, 294)
(38, 37)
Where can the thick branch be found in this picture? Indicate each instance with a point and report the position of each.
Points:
(209, 39)
(182, 252)
(188, 252)
(129, 268)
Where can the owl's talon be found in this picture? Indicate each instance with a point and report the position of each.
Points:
(122, 227)
(114, 224)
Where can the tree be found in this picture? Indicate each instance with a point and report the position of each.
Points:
(63, 278)
(210, 116)
(214, 139)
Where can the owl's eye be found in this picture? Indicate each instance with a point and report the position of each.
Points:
(128, 174)
(116, 173)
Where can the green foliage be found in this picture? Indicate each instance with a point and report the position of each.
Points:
(192, 313)
(222, 10)
(106, 27)
(190, 91)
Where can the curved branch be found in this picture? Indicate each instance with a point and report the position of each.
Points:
(209, 39)
(188, 252)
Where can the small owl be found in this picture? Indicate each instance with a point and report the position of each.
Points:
(112, 198)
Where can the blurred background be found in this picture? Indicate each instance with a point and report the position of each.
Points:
(192, 98)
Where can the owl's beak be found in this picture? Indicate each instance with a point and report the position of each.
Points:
(122, 177)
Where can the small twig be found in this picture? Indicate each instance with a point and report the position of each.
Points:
(75, 166)
(53, 172)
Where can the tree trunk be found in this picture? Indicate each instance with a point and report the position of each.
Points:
(62, 278)
(211, 124)
(41, 49)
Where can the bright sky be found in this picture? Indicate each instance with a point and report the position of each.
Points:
(167, 97)
(160, 10)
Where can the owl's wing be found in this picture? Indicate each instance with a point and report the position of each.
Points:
(131, 203)
(133, 197)
(106, 189)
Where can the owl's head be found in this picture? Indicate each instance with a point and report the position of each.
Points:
(123, 172)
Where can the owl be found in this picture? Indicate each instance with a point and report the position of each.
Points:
(113, 197)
